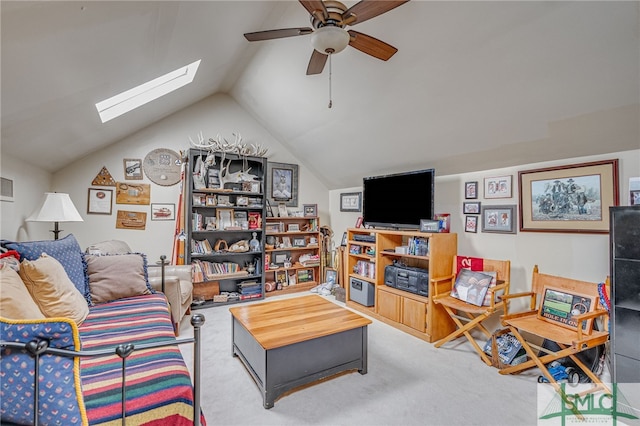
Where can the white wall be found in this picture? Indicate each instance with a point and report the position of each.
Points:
(29, 185)
(218, 114)
(579, 256)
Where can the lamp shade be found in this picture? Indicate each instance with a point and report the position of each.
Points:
(55, 207)
(329, 40)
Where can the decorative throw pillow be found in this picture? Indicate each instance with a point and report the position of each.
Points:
(471, 286)
(66, 250)
(117, 276)
(60, 389)
(109, 247)
(52, 290)
(15, 300)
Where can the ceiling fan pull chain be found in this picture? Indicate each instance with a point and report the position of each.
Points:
(330, 101)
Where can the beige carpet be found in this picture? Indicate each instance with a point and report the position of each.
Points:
(409, 382)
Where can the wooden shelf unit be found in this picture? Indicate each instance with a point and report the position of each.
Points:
(203, 204)
(409, 312)
(309, 229)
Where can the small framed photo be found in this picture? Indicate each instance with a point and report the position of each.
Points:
(224, 200)
(282, 210)
(272, 228)
(299, 242)
(242, 201)
(163, 211)
(293, 227)
(471, 224)
(132, 168)
(224, 218)
(501, 219)
(210, 200)
(331, 275)
(286, 242)
(351, 202)
(310, 210)
(344, 240)
(427, 225)
(305, 275)
(497, 187)
(470, 190)
(359, 222)
(471, 208)
(280, 257)
(199, 200)
(99, 201)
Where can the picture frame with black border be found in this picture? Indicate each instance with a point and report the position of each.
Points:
(471, 207)
(299, 242)
(351, 202)
(471, 224)
(471, 190)
(499, 219)
(344, 240)
(305, 275)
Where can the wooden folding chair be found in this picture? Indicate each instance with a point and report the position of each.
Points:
(467, 316)
(561, 310)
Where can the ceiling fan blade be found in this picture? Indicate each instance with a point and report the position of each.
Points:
(367, 9)
(316, 8)
(316, 63)
(371, 45)
(281, 33)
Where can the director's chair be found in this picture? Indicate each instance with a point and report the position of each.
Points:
(467, 316)
(561, 310)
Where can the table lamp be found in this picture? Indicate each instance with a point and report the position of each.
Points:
(55, 207)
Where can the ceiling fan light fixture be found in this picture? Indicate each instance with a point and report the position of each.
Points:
(330, 40)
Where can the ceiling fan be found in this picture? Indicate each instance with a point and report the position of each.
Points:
(329, 36)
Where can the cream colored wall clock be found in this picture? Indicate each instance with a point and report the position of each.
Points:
(163, 166)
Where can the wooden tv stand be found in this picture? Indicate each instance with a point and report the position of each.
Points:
(412, 313)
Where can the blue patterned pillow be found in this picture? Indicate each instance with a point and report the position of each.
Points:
(66, 250)
(61, 400)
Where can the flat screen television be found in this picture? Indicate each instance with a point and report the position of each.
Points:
(399, 200)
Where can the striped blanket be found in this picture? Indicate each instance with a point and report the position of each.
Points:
(159, 390)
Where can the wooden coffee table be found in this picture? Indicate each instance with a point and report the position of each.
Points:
(288, 343)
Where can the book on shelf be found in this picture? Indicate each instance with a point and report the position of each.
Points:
(207, 271)
(201, 247)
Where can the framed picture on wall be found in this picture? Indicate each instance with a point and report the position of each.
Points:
(571, 198)
(99, 201)
(471, 190)
(501, 219)
(497, 187)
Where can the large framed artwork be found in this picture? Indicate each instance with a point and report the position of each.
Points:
(571, 198)
(282, 183)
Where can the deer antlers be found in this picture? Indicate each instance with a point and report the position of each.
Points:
(239, 147)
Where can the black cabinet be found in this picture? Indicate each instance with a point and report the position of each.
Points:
(225, 208)
(625, 293)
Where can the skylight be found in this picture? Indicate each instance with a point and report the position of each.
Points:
(140, 95)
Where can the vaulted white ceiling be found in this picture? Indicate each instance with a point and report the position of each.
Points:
(470, 78)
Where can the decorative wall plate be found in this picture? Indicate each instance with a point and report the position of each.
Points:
(163, 166)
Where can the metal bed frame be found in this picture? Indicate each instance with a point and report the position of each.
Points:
(38, 347)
